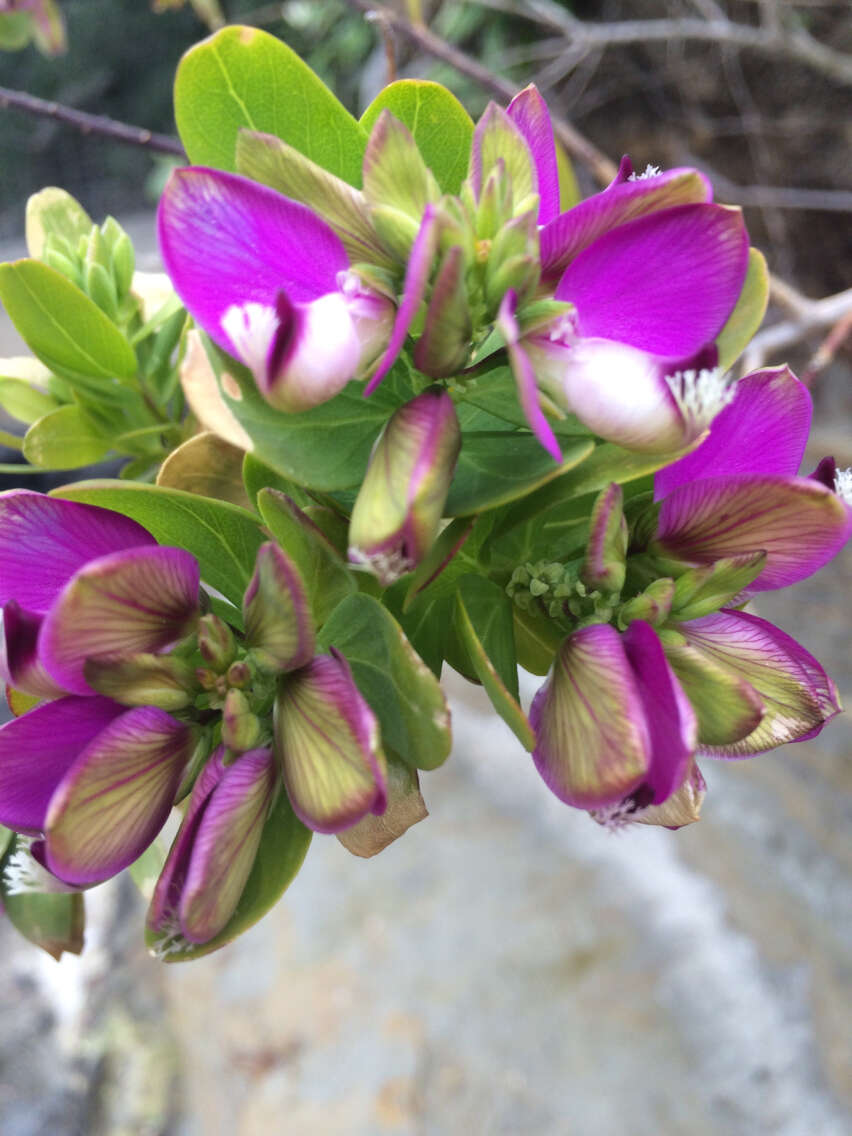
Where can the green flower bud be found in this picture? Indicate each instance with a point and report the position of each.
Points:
(216, 642)
(604, 567)
(241, 728)
(399, 506)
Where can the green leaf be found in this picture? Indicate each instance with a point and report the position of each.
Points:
(22, 400)
(222, 537)
(748, 314)
(608, 463)
(442, 128)
(283, 847)
(326, 577)
(61, 325)
(53, 922)
(496, 467)
(64, 439)
(484, 620)
(258, 475)
(537, 640)
(496, 392)
(297, 445)
(54, 213)
(244, 77)
(405, 696)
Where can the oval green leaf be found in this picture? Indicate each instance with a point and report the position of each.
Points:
(442, 128)
(61, 325)
(496, 467)
(244, 77)
(64, 439)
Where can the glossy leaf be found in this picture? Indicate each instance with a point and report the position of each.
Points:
(484, 620)
(403, 694)
(283, 847)
(258, 475)
(442, 128)
(244, 77)
(64, 439)
(496, 467)
(61, 325)
(222, 537)
(297, 445)
(209, 466)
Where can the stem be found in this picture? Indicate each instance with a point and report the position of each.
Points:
(91, 123)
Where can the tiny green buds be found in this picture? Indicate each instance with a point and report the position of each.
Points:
(399, 506)
(216, 642)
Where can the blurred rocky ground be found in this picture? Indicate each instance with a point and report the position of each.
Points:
(507, 967)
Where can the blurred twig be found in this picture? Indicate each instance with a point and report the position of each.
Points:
(805, 317)
(91, 123)
(577, 145)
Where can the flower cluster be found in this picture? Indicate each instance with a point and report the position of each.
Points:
(450, 418)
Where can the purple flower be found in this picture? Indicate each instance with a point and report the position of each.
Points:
(80, 584)
(213, 853)
(652, 270)
(738, 492)
(327, 739)
(270, 283)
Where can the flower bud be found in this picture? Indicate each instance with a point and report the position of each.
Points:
(605, 564)
(240, 727)
(279, 628)
(400, 503)
(216, 642)
(653, 605)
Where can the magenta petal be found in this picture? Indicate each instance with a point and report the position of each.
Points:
(671, 720)
(796, 521)
(592, 740)
(225, 845)
(116, 796)
(38, 749)
(165, 902)
(764, 430)
(229, 241)
(529, 112)
(622, 201)
(665, 283)
(135, 601)
(524, 374)
(797, 694)
(44, 541)
(413, 290)
(19, 662)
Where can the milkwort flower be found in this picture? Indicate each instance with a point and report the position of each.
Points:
(623, 715)
(80, 585)
(321, 283)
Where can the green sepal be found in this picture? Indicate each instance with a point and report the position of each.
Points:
(748, 312)
(144, 680)
(703, 590)
(326, 577)
(727, 707)
(269, 160)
